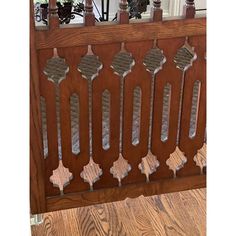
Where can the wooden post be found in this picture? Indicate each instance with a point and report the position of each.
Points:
(89, 17)
(37, 184)
(156, 12)
(123, 14)
(53, 15)
(189, 9)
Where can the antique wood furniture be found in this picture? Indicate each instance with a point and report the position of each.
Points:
(117, 109)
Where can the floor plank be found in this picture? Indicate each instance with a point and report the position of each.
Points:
(173, 214)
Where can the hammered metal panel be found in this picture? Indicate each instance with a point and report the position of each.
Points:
(44, 126)
(136, 115)
(106, 119)
(154, 60)
(185, 56)
(89, 65)
(56, 68)
(166, 112)
(194, 109)
(74, 115)
(122, 62)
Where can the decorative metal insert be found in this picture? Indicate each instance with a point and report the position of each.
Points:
(89, 68)
(176, 161)
(149, 165)
(106, 100)
(154, 60)
(74, 116)
(61, 177)
(91, 173)
(166, 112)
(185, 56)
(123, 62)
(56, 68)
(120, 169)
(200, 158)
(44, 126)
(137, 98)
(90, 65)
(194, 109)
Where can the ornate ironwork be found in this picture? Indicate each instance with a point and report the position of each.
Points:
(67, 11)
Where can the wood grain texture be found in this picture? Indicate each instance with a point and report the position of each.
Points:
(182, 213)
(120, 193)
(105, 34)
(37, 185)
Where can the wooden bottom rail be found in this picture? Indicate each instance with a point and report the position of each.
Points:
(120, 193)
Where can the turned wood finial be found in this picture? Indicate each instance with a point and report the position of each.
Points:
(53, 15)
(189, 9)
(89, 17)
(123, 14)
(156, 12)
(157, 4)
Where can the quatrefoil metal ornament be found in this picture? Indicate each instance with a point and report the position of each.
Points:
(56, 68)
(185, 56)
(154, 59)
(200, 158)
(61, 177)
(90, 65)
(91, 173)
(120, 169)
(122, 62)
(176, 161)
(149, 165)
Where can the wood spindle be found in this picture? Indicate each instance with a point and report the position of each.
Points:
(89, 17)
(53, 15)
(189, 9)
(123, 14)
(156, 12)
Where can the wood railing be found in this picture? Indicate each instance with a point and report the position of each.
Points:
(117, 109)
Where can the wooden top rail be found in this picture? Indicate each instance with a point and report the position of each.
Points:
(103, 34)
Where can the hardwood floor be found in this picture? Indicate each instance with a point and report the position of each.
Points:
(173, 214)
